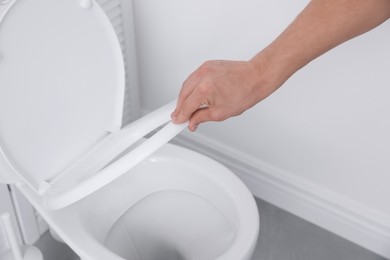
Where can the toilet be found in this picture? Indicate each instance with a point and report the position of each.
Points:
(108, 191)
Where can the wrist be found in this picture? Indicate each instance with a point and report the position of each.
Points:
(272, 70)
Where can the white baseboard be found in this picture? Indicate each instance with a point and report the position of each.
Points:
(315, 204)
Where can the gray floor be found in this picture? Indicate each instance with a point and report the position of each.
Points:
(283, 236)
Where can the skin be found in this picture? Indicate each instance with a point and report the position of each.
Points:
(220, 89)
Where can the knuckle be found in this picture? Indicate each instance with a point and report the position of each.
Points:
(204, 89)
(184, 85)
(205, 68)
(208, 63)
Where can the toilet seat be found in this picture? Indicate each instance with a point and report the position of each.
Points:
(69, 82)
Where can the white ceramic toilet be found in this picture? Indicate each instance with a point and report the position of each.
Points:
(107, 191)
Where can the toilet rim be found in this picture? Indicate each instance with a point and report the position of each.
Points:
(243, 202)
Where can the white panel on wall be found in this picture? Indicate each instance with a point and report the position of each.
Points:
(120, 13)
(7, 207)
(26, 216)
(318, 147)
(3, 241)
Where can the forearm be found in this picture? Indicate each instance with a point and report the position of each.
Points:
(218, 90)
(321, 26)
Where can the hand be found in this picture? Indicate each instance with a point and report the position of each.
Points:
(218, 90)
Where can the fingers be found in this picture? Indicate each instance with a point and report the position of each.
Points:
(186, 109)
(191, 98)
(186, 91)
(197, 97)
(216, 91)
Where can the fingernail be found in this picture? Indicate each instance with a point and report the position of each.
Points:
(174, 118)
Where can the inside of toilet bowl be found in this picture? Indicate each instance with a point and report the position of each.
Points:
(171, 225)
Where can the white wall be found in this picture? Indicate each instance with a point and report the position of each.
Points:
(325, 133)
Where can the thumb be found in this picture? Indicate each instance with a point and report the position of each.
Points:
(204, 115)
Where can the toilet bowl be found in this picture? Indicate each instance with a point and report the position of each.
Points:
(104, 189)
(176, 204)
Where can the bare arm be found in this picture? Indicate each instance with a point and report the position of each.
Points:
(227, 88)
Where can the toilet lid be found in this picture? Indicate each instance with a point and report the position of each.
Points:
(61, 85)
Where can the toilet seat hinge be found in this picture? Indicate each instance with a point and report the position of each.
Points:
(44, 186)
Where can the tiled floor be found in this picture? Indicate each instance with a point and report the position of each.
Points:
(283, 236)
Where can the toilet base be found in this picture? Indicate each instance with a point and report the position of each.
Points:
(56, 236)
